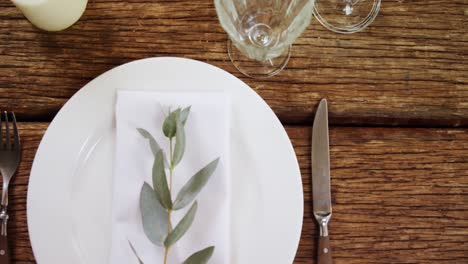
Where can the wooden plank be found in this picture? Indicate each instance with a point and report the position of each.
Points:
(31, 135)
(399, 195)
(408, 68)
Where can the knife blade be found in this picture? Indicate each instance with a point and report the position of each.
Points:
(321, 192)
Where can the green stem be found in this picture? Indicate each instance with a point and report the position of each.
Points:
(165, 255)
(169, 212)
(171, 168)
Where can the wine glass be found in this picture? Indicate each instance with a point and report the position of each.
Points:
(261, 32)
(346, 16)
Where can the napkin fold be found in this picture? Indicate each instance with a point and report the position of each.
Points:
(207, 137)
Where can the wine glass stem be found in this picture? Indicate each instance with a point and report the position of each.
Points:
(349, 7)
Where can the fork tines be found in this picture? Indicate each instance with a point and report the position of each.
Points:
(8, 140)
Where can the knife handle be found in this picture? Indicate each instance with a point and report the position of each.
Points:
(324, 251)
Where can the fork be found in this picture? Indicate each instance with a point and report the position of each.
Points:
(10, 153)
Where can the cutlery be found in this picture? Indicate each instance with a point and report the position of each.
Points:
(10, 152)
(321, 181)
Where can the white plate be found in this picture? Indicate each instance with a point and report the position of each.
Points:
(70, 186)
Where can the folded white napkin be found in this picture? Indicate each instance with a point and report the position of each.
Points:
(207, 137)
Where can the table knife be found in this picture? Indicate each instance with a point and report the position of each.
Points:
(321, 193)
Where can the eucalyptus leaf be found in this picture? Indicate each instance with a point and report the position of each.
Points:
(170, 123)
(184, 114)
(191, 189)
(160, 181)
(134, 252)
(179, 148)
(153, 144)
(200, 257)
(154, 216)
(182, 226)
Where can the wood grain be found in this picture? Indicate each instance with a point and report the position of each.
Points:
(399, 195)
(409, 68)
(20, 246)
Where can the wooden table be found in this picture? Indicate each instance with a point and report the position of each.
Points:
(398, 96)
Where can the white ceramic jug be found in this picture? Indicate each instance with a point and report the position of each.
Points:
(52, 15)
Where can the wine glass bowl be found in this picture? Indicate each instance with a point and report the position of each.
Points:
(261, 32)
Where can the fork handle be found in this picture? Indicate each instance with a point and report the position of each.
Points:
(4, 250)
(4, 247)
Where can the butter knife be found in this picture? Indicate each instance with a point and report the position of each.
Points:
(321, 193)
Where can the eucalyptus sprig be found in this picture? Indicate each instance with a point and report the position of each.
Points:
(157, 204)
